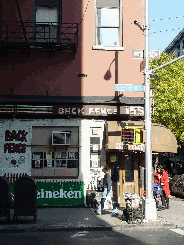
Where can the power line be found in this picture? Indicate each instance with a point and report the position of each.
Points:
(170, 18)
(178, 28)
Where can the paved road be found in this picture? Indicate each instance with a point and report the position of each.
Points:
(129, 236)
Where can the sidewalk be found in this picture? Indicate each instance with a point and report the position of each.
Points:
(81, 218)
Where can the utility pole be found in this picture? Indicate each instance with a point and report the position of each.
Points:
(150, 206)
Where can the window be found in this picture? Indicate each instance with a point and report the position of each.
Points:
(60, 159)
(61, 138)
(69, 159)
(43, 159)
(128, 135)
(108, 27)
(46, 24)
(55, 156)
(129, 171)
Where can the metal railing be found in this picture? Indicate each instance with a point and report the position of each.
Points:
(37, 32)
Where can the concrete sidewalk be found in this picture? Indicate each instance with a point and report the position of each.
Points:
(81, 218)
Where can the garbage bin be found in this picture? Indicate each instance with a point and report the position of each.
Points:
(4, 198)
(25, 198)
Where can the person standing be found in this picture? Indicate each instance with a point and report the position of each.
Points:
(157, 177)
(107, 185)
(164, 183)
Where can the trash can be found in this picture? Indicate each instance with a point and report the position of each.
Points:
(4, 198)
(25, 198)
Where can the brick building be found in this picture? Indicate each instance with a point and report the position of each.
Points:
(60, 114)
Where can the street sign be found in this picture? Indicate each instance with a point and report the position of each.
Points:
(138, 54)
(129, 87)
(154, 54)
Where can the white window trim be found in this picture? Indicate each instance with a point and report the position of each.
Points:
(104, 47)
(101, 47)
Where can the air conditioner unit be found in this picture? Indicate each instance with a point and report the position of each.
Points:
(61, 138)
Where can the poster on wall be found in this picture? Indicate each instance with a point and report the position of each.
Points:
(113, 158)
(60, 163)
(48, 155)
(71, 155)
(94, 163)
(37, 163)
(94, 160)
(49, 163)
(95, 147)
(36, 156)
(61, 155)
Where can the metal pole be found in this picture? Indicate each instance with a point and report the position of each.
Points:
(150, 206)
(166, 64)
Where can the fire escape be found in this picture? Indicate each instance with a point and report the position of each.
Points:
(27, 36)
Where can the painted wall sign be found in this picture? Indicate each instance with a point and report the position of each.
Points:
(15, 136)
(101, 110)
(58, 194)
(122, 146)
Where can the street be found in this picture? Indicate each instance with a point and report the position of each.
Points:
(169, 228)
(128, 236)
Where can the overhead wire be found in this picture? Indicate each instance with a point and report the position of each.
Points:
(178, 28)
(169, 18)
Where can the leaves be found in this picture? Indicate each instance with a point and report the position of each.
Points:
(169, 95)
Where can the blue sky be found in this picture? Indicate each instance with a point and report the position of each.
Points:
(162, 9)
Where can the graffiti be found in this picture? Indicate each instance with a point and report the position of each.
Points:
(14, 148)
(17, 136)
(20, 136)
(13, 162)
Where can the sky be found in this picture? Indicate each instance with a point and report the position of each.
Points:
(163, 9)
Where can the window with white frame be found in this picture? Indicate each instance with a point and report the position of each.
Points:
(108, 28)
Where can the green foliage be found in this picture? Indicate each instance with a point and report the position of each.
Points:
(169, 95)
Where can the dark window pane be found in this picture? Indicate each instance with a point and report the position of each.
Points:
(72, 164)
(60, 163)
(95, 140)
(68, 138)
(129, 171)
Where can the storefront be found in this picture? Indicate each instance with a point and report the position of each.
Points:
(56, 143)
(72, 143)
(126, 152)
